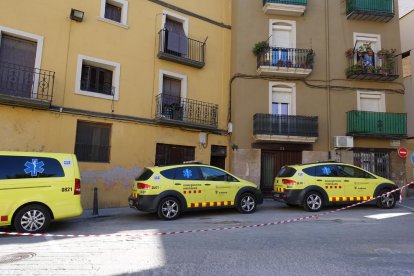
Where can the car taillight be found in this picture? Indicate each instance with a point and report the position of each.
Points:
(143, 186)
(288, 182)
(77, 187)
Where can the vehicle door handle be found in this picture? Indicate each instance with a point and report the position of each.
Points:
(318, 179)
(346, 180)
(177, 184)
(207, 184)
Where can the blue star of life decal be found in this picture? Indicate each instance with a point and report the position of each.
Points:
(34, 167)
(187, 173)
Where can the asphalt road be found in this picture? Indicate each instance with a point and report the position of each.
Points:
(340, 243)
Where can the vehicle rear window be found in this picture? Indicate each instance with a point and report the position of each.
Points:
(145, 175)
(286, 172)
(13, 167)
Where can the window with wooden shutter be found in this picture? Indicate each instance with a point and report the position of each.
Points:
(92, 142)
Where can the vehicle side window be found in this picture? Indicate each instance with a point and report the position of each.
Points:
(188, 173)
(216, 175)
(326, 171)
(170, 174)
(349, 171)
(13, 167)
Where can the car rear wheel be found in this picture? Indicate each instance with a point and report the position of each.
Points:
(387, 200)
(169, 208)
(32, 219)
(247, 203)
(313, 202)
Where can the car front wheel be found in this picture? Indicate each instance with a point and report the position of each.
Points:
(247, 204)
(169, 208)
(32, 219)
(387, 200)
(313, 202)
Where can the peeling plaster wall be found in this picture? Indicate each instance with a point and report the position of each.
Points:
(246, 164)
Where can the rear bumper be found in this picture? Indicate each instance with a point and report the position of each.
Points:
(289, 196)
(143, 203)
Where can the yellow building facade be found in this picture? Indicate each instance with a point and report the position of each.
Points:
(122, 84)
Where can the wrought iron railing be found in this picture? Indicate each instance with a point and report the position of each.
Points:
(378, 124)
(287, 2)
(26, 82)
(188, 111)
(104, 88)
(372, 66)
(289, 125)
(182, 49)
(376, 10)
(92, 153)
(286, 57)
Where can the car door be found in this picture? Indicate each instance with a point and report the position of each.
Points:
(220, 188)
(189, 182)
(327, 178)
(361, 184)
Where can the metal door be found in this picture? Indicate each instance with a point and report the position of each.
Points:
(271, 162)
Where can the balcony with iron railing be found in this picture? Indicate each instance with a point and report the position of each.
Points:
(372, 10)
(377, 124)
(285, 62)
(186, 112)
(181, 49)
(285, 128)
(26, 86)
(380, 66)
(285, 7)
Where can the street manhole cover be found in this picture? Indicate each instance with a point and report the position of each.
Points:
(12, 258)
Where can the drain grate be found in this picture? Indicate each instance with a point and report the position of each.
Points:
(12, 258)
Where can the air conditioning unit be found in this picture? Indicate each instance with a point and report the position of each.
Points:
(344, 141)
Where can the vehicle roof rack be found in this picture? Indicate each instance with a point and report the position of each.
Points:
(193, 162)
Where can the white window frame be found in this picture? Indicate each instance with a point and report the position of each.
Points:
(292, 86)
(123, 4)
(175, 17)
(273, 22)
(110, 65)
(369, 38)
(373, 95)
(39, 49)
(181, 77)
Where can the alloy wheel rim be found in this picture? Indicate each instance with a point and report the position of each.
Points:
(169, 209)
(247, 203)
(32, 220)
(314, 202)
(387, 200)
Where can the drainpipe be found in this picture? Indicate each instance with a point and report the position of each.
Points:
(328, 76)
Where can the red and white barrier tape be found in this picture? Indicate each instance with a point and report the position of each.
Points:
(209, 229)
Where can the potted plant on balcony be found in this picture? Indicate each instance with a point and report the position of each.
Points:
(259, 47)
(310, 57)
(355, 69)
(388, 60)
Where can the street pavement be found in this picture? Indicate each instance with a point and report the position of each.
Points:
(342, 243)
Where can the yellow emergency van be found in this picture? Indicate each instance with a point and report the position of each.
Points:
(319, 184)
(37, 187)
(170, 190)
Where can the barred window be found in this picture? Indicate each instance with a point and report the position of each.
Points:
(92, 142)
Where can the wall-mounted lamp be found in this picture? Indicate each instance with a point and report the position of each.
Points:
(77, 15)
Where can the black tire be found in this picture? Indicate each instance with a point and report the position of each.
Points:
(169, 208)
(313, 202)
(247, 203)
(33, 218)
(386, 201)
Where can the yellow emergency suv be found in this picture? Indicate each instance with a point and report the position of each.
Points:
(170, 190)
(37, 187)
(316, 185)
